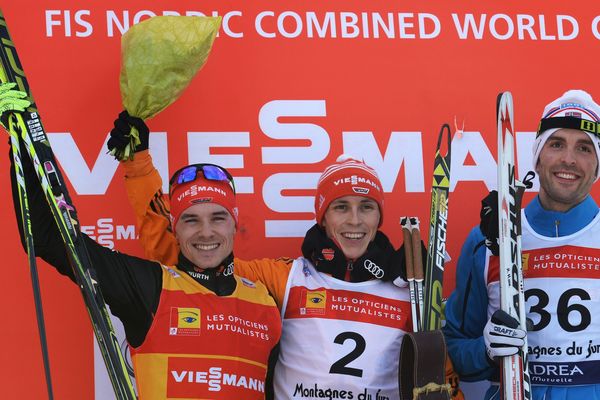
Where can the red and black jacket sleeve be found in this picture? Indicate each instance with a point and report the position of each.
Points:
(131, 286)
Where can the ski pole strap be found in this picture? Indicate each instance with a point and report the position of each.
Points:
(410, 271)
(416, 251)
(406, 234)
(571, 123)
(422, 371)
(418, 268)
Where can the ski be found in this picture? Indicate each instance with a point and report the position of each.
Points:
(436, 249)
(515, 383)
(29, 246)
(26, 128)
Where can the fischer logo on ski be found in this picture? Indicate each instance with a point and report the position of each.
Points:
(438, 221)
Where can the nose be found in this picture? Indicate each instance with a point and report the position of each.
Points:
(569, 156)
(204, 231)
(354, 217)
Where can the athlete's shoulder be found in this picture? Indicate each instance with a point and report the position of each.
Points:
(285, 260)
(266, 262)
(474, 242)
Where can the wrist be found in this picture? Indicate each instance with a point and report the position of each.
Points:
(140, 165)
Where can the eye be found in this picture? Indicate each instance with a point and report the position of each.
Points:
(340, 207)
(189, 320)
(555, 144)
(316, 300)
(585, 148)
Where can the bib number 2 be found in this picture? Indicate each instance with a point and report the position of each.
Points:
(341, 365)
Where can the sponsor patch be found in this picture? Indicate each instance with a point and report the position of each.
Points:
(360, 190)
(328, 254)
(313, 302)
(202, 200)
(248, 283)
(184, 321)
(172, 272)
(213, 378)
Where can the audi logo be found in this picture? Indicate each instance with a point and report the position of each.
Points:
(374, 269)
(228, 270)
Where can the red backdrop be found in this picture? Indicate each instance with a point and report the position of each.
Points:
(287, 88)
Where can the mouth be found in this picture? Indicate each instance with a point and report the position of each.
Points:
(353, 235)
(206, 246)
(569, 176)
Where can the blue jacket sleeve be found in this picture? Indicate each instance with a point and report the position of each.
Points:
(466, 313)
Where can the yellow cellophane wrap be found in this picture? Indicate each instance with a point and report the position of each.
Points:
(159, 58)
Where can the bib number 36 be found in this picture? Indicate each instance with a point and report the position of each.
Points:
(566, 311)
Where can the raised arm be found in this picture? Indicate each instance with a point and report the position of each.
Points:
(151, 207)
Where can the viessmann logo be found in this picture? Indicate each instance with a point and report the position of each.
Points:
(195, 189)
(216, 379)
(184, 321)
(355, 180)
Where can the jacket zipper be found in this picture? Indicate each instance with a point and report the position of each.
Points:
(349, 268)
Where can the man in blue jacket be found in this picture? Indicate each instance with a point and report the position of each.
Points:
(561, 269)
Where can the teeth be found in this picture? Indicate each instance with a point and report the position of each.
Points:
(353, 235)
(566, 175)
(206, 247)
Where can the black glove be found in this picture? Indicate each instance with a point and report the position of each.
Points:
(502, 336)
(489, 221)
(123, 142)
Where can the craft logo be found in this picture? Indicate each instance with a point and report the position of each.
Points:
(313, 302)
(360, 190)
(202, 200)
(184, 321)
(328, 254)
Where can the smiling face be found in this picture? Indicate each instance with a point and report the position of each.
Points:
(566, 169)
(352, 222)
(205, 234)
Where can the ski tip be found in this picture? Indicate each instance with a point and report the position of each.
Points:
(498, 101)
(501, 99)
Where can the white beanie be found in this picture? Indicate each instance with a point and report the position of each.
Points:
(574, 109)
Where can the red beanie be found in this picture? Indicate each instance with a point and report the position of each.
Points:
(200, 191)
(347, 177)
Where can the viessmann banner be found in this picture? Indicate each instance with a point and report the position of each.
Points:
(288, 87)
